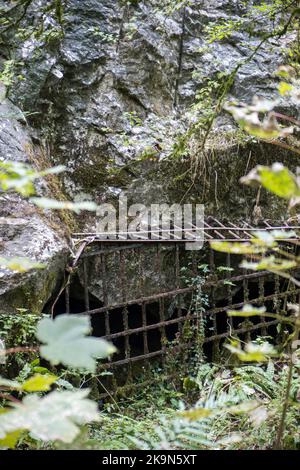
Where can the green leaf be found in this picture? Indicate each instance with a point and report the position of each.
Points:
(248, 117)
(20, 265)
(283, 234)
(279, 180)
(11, 439)
(53, 417)
(66, 342)
(20, 177)
(195, 414)
(270, 263)
(284, 88)
(77, 207)
(263, 238)
(39, 383)
(253, 352)
(237, 248)
(247, 311)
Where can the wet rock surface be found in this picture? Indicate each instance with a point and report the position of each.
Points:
(109, 87)
(24, 231)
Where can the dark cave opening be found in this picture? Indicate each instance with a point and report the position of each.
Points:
(133, 345)
(136, 341)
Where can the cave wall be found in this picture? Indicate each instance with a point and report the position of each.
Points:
(107, 82)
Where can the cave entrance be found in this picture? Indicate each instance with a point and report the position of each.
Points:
(142, 296)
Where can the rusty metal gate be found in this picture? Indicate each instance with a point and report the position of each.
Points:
(140, 295)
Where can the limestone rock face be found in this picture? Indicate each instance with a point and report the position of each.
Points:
(109, 87)
(24, 231)
(116, 80)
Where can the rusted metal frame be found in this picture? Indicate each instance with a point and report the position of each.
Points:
(239, 331)
(213, 229)
(192, 316)
(229, 287)
(67, 298)
(213, 287)
(162, 352)
(184, 290)
(105, 294)
(153, 326)
(177, 280)
(247, 322)
(161, 303)
(234, 234)
(241, 304)
(207, 237)
(143, 304)
(124, 298)
(276, 291)
(86, 290)
(238, 229)
(207, 227)
(261, 293)
(92, 253)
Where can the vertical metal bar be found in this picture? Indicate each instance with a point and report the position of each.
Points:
(247, 323)
(104, 284)
(67, 297)
(276, 302)
(145, 337)
(127, 349)
(211, 261)
(177, 279)
(261, 296)
(229, 289)
(246, 290)
(143, 306)
(86, 290)
(216, 343)
(163, 336)
(215, 351)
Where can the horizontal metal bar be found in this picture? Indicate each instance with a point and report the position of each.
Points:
(89, 254)
(162, 352)
(175, 292)
(182, 319)
(241, 330)
(166, 241)
(259, 299)
(129, 360)
(203, 229)
(153, 326)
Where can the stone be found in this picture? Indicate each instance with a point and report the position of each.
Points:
(24, 230)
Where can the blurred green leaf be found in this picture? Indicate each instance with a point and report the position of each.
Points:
(77, 207)
(238, 248)
(39, 383)
(20, 265)
(195, 414)
(67, 342)
(20, 177)
(247, 311)
(253, 352)
(53, 417)
(11, 439)
(270, 264)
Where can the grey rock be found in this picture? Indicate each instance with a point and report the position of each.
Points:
(118, 85)
(24, 230)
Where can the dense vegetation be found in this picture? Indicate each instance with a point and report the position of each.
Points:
(250, 398)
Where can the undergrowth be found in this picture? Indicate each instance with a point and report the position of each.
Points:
(219, 408)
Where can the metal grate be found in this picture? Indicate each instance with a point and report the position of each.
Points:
(140, 295)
